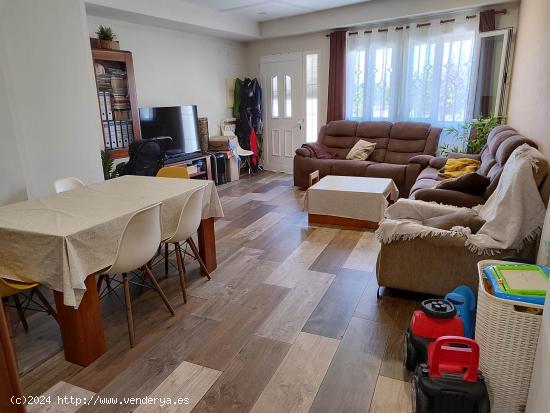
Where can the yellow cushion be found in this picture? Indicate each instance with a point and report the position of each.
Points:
(11, 287)
(457, 167)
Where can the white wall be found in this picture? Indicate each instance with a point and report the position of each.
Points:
(316, 42)
(47, 68)
(13, 187)
(175, 68)
(529, 111)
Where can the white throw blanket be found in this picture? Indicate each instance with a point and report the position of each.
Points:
(513, 214)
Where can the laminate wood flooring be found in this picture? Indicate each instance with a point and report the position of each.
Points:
(289, 322)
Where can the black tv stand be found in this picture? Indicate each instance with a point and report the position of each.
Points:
(179, 157)
(206, 173)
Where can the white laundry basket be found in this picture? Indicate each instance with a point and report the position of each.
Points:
(507, 337)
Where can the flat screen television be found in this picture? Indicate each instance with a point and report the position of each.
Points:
(178, 122)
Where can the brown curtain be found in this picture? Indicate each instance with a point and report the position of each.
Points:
(337, 77)
(487, 23)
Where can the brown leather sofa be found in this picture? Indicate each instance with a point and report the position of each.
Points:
(502, 141)
(396, 144)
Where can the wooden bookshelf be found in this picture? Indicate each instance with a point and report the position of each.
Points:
(114, 74)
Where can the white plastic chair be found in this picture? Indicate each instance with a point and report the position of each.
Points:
(66, 184)
(138, 244)
(188, 224)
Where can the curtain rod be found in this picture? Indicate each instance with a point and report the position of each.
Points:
(503, 11)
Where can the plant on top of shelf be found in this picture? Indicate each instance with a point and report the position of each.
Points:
(472, 134)
(105, 33)
(107, 38)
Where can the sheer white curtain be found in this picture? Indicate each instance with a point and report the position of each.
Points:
(424, 73)
(439, 80)
(373, 66)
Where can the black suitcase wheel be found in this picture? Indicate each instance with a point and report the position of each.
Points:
(411, 355)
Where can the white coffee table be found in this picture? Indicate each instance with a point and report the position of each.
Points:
(349, 200)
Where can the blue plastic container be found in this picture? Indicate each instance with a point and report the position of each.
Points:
(464, 300)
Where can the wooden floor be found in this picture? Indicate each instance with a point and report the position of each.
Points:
(289, 323)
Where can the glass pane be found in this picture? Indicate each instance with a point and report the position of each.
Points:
(274, 97)
(358, 85)
(312, 96)
(487, 101)
(288, 96)
(382, 82)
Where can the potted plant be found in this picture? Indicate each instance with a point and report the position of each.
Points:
(106, 38)
(108, 163)
(472, 134)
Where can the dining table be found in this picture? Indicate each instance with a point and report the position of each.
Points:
(63, 240)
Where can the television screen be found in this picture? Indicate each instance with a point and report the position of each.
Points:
(178, 122)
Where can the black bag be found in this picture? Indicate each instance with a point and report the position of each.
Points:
(145, 158)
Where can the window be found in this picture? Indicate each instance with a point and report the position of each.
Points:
(288, 97)
(274, 97)
(423, 73)
(312, 96)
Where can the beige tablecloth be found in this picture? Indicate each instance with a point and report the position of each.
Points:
(351, 197)
(59, 240)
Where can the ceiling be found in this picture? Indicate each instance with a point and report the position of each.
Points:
(258, 10)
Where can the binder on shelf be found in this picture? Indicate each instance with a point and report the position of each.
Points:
(102, 107)
(118, 130)
(108, 107)
(130, 131)
(106, 137)
(112, 134)
(124, 127)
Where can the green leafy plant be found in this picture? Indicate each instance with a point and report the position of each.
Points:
(472, 134)
(105, 33)
(108, 163)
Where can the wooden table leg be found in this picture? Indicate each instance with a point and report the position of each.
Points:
(10, 387)
(207, 243)
(82, 329)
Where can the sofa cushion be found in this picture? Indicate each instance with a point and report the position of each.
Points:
(361, 150)
(407, 139)
(378, 133)
(472, 183)
(430, 173)
(348, 167)
(339, 134)
(388, 170)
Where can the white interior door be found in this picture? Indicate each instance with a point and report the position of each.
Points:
(285, 109)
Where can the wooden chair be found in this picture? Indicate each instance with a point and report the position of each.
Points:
(138, 244)
(188, 224)
(66, 184)
(10, 289)
(173, 172)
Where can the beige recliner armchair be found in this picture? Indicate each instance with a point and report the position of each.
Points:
(436, 264)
